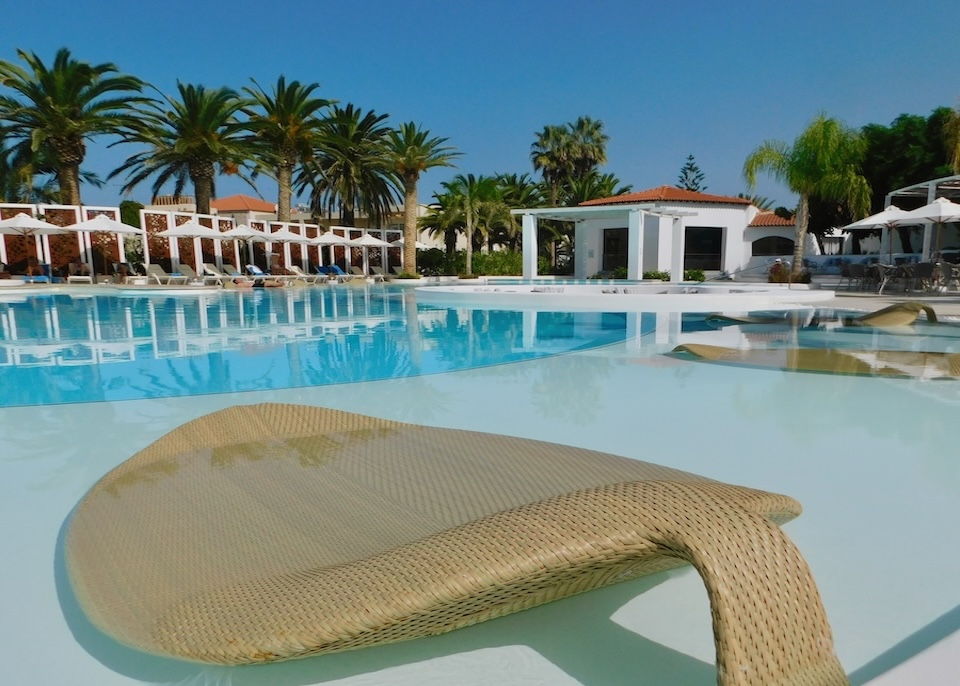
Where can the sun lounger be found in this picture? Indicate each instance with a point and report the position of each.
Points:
(301, 275)
(157, 273)
(214, 275)
(268, 532)
(191, 276)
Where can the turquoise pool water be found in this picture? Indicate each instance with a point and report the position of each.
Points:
(86, 382)
(69, 348)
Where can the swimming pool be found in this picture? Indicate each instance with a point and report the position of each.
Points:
(870, 458)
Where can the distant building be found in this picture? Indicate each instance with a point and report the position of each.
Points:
(664, 229)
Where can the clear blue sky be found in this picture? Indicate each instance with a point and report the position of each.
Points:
(712, 79)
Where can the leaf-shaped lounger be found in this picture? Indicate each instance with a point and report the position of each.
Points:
(899, 314)
(896, 363)
(269, 532)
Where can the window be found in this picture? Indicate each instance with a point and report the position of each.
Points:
(614, 249)
(703, 247)
(772, 245)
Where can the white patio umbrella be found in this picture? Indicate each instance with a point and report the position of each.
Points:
(885, 219)
(939, 212)
(24, 225)
(104, 223)
(285, 235)
(242, 232)
(196, 231)
(366, 241)
(107, 224)
(328, 239)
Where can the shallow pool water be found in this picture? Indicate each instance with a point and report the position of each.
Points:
(871, 458)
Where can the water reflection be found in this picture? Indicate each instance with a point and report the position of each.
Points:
(65, 348)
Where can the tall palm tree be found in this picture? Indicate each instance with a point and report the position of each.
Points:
(286, 124)
(823, 162)
(951, 134)
(590, 144)
(553, 154)
(352, 169)
(444, 220)
(413, 152)
(56, 109)
(473, 196)
(187, 140)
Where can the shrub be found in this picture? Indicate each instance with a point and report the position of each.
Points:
(694, 275)
(779, 272)
(407, 275)
(499, 263)
(662, 276)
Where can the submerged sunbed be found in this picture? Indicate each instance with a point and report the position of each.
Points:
(270, 532)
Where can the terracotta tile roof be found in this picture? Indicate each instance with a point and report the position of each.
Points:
(771, 219)
(242, 203)
(667, 194)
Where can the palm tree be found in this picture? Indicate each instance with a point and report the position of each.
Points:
(951, 132)
(62, 106)
(473, 196)
(187, 139)
(285, 123)
(590, 144)
(443, 220)
(762, 203)
(413, 152)
(823, 162)
(352, 168)
(553, 154)
(594, 185)
(517, 192)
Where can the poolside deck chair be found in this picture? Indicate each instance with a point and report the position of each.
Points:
(214, 275)
(379, 274)
(255, 272)
(397, 270)
(157, 273)
(301, 275)
(339, 274)
(191, 275)
(268, 532)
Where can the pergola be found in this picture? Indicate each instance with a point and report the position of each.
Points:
(925, 192)
(632, 215)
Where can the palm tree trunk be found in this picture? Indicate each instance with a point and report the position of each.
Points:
(284, 192)
(68, 177)
(803, 221)
(203, 189)
(201, 174)
(469, 269)
(410, 223)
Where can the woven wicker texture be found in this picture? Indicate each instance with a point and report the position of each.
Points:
(891, 363)
(268, 532)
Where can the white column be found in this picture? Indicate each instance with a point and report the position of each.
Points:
(677, 248)
(529, 246)
(635, 245)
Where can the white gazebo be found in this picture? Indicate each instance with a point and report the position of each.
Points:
(648, 231)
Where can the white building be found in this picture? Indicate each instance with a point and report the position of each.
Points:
(663, 229)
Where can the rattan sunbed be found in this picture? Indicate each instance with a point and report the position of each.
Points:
(268, 532)
(898, 314)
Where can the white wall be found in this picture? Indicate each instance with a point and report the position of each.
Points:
(657, 245)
